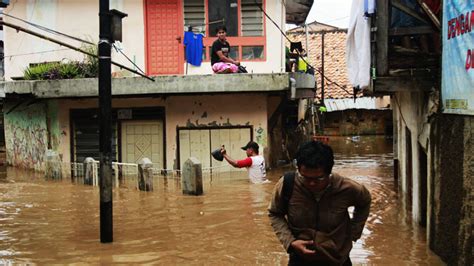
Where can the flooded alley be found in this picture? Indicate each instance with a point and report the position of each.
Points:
(58, 222)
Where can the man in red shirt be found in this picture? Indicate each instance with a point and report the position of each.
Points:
(254, 163)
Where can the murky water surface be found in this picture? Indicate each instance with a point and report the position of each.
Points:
(47, 222)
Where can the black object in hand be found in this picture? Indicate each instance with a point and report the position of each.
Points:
(217, 155)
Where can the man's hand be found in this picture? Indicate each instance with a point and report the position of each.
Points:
(223, 151)
(237, 63)
(302, 247)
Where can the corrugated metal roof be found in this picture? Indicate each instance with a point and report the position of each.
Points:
(369, 103)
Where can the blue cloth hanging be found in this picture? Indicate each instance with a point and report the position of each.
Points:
(193, 43)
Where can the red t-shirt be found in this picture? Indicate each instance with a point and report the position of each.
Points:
(247, 162)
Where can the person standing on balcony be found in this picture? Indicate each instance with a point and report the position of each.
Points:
(254, 163)
(220, 61)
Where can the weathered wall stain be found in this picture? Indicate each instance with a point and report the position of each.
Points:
(26, 135)
(214, 123)
(54, 128)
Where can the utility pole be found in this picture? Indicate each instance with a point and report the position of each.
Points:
(321, 120)
(105, 119)
(306, 34)
(322, 67)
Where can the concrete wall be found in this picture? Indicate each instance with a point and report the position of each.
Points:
(447, 142)
(182, 111)
(406, 107)
(452, 215)
(80, 19)
(358, 122)
(26, 134)
(77, 18)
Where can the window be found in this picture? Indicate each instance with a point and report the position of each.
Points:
(195, 16)
(226, 10)
(252, 52)
(234, 52)
(252, 18)
(247, 38)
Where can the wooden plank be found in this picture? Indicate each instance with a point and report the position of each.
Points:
(382, 37)
(395, 84)
(411, 31)
(399, 5)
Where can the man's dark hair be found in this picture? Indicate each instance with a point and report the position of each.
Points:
(221, 27)
(315, 154)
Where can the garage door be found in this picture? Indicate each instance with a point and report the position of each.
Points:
(142, 139)
(200, 143)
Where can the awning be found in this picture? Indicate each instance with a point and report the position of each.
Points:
(368, 103)
(297, 11)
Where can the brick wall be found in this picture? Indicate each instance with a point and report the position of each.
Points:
(359, 122)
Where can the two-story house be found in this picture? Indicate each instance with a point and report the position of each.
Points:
(187, 111)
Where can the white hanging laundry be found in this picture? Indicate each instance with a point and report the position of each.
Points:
(369, 7)
(358, 46)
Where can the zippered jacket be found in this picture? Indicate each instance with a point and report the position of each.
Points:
(321, 214)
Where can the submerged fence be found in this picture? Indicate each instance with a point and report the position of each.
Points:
(128, 174)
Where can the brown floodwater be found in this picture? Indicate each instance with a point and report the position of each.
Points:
(45, 222)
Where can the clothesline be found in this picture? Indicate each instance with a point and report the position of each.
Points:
(204, 24)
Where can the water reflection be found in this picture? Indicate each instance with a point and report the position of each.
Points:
(58, 222)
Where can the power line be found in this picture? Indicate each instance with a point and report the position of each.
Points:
(41, 52)
(64, 44)
(336, 19)
(47, 29)
(133, 63)
(18, 28)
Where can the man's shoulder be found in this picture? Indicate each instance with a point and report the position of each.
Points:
(217, 42)
(257, 157)
(343, 182)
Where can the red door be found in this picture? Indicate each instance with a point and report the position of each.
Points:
(164, 30)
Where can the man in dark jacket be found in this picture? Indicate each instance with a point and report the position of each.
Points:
(313, 222)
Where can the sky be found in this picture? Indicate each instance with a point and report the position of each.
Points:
(332, 12)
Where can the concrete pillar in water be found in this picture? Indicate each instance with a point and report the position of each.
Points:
(191, 179)
(89, 171)
(3, 163)
(53, 165)
(145, 175)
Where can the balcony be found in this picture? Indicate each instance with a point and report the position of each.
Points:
(163, 85)
(405, 57)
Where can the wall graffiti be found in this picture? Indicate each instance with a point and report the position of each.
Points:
(26, 135)
(261, 137)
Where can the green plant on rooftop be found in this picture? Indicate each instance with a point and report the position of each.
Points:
(88, 68)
